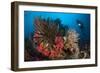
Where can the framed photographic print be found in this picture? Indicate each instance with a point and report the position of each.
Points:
(52, 36)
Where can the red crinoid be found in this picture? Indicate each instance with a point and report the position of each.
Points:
(42, 49)
(59, 43)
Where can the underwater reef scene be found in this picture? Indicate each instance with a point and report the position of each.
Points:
(56, 36)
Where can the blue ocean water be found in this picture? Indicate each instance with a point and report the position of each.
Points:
(77, 21)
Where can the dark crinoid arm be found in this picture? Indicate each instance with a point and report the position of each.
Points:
(47, 28)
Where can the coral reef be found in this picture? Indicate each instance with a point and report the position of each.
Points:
(53, 41)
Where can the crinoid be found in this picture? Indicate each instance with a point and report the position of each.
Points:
(71, 44)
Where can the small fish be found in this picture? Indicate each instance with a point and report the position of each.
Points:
(80, 24)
